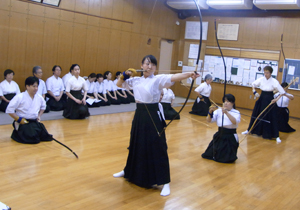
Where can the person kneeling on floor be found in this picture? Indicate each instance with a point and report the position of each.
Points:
(26, 109)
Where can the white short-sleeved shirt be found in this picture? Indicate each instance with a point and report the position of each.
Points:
(270, 84)
(42, 88)
(90, 86)
(109, 85)
(9, 87)
(217, 117)
(76, 84)
(55, 85)
(66, 77)
(99, 88)
(168, 96)
(204, 89)
(24, 106)
(148, 90)
(283, 101)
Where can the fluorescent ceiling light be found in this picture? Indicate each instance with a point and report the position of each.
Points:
(230, 4)
(52, 2)
(220, 2)
(277, 4)
(275, 1)
(187, 4)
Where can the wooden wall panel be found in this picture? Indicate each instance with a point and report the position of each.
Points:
(65, 44)
(34, 9)
(19, 6)
(135, 57)
(124, 51)
(5, 4)
(93, 21)
(146, 18)
(103, 49)
(50, 46)
(276, 29)
(82, 6)
(67, 16)
(249, 32)
(170, 26)
(290, 39)
(52, 13)
(263, 28)
(91, 50)
(79, 46)
(70, 4)
(114, 51)
(128, 14)
(106, 11)
(94, 7)
(161, 24)
(117, 13)
(4, 25)
(296, 28)
(17, 45)
(34, 43)
(80, 18)
(138, 14)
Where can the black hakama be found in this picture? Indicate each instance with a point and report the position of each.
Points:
(121, 99)
(169, 112)
(75, 110)
(131, 98)
(147, 162)
(95, 104)
(202, 107)
(283, 120)
(111, 100)
(223, 148)
(32, 132)
(268, 129)
(102, 102)
(57, 105)
(47, 110)
(4, 104)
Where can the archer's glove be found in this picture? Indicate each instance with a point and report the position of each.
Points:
(256, 94)
(125, 76)
(21, 120)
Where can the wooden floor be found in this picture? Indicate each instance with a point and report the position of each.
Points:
(48, 176)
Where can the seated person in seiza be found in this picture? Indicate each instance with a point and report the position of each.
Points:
(167, 103)
(26, 108)
(121, 94)
(42, 89)
(8, 89)
(55, 88)
(91, 85)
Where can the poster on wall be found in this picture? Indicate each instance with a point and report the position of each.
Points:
(291, 71)
(239, 71)
(192, 30)
(228, 31)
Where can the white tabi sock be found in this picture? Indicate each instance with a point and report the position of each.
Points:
(245, 132)
(278, 140)
(119, 174)
(166, 190)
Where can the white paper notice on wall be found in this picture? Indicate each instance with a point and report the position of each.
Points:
(192, 30)
(228, 31)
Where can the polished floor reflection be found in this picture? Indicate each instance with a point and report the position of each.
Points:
(48, 176)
